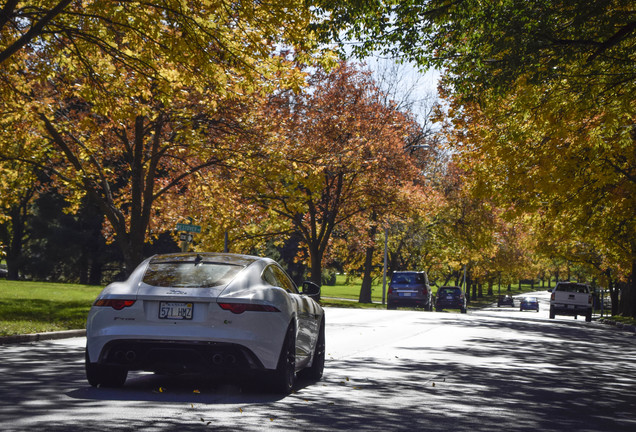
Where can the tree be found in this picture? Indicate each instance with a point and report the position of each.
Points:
(326, 154)
(555, 87)
(136, 104)
(19, 185)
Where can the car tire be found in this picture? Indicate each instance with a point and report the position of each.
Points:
(552, 314)
(391, 306)
(284, 377)
(314, 372)
(104, 376)
(588, 316)
(463, 310)
(438, 309)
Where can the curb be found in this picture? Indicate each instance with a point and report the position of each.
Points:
(36, 337)
(619, 325)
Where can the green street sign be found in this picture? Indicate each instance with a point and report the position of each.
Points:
(189, 228)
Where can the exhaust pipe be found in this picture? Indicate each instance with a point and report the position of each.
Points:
(131, 356)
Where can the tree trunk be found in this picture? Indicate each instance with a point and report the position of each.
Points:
(316, 265)
(18, 226)
(627, 306)
(365, 290)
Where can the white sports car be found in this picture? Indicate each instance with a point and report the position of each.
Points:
(209, 313)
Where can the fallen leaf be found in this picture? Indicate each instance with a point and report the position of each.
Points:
(433, 384)
(241, 410)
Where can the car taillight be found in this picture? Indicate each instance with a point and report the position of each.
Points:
(117, 304)
(424, 291)
(239, 308)
(589, 299)
(390, 290)
(552, 297)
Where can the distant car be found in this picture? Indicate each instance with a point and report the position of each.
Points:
(3, 271)
(207, 312)
(505, 300)
(529, 303)
(450, 297)
(409, 288)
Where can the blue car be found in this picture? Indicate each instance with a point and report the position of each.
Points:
(529, 303)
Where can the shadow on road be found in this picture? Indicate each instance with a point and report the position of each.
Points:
(534, 376)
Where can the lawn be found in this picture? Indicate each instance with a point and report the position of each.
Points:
(34, 307)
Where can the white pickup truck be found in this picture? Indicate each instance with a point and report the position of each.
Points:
(571, 298)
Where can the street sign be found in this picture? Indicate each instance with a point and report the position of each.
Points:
(189, 228)
(185, 237)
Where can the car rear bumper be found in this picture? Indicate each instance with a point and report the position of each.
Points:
(179, 356)
(262, 338)
(449, 304)
(560, 309)
(409, 301)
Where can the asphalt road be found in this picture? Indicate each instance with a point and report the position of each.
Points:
(491, 370)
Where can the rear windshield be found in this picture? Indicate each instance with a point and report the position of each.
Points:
(189, 274)
(450, 291)
(573, 287)
(407, 278)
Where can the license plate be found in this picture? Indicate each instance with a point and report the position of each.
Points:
(175, 311)
(406, 294)
(450, 297)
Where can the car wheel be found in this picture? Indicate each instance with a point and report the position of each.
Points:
(391, 306)
(438, 309)
(314, 372)
(588, 316)
(463, 310)
(104, 376)
(284, 377)
(552, 312)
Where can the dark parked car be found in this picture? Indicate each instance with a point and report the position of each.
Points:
(505, 300)
(529, 303)
(450, 297)
(409, 288)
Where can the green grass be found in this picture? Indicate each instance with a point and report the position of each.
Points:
(350, 290)
(35, 307)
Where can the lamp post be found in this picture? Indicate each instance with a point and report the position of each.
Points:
(386, 254)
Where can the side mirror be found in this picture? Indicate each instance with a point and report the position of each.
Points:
(311, 290)
(550, 290)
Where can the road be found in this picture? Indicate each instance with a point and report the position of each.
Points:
(488, 370)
